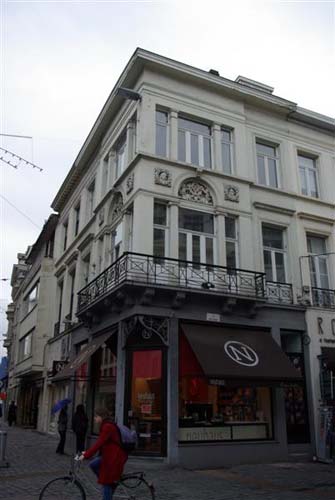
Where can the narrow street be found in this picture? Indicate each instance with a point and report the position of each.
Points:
(33, 462)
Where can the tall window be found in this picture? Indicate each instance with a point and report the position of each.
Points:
(308, 177)
(116, 243)
(318, 263)
(90, 199)
(103, 374)
(196, 236)
(25, 346)
(231, 242)
(120, 155)
(105, 172)
(72, 283)
(267, 164)
(274, 254)
(60, 301)
(31, 298)
(86, 263)
(76, 219)
(194, 143)
(227, 150)
(160, 229)
(100, 254)
(161, 133)
(65, 233)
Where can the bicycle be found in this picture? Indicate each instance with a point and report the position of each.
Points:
(131, 486)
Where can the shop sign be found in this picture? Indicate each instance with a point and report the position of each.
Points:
(204, 434)
(241, 353)
(217, 381)
(213, 317)
(146, 396)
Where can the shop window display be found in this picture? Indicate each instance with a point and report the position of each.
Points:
(217, 410)
(104, 380)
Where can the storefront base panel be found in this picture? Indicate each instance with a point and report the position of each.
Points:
(211, 455)
(300, 452)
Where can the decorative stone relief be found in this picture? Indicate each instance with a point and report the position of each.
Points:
(194, 190)
(101, 216)
(163, 177)
(130, 183)
(117, 206)
(232, 193)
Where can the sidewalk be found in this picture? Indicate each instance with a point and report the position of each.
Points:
(33, 462)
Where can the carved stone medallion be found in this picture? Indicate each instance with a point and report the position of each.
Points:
(194, 190)
(232, 193)
(163, 177)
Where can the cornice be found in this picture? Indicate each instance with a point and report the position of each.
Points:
(316, 218)
(86, 241)
(274, 208)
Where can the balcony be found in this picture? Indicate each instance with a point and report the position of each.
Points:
(323, 297)
(279, 293)
(147, 270)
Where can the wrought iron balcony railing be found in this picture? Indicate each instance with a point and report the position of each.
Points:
(280, 293)
(160, 271)
(323, 297)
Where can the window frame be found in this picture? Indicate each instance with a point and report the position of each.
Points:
(76, 218)
(31, 303)
(120, 151)
(91, 198)
(273, 251)
(167, 132)
(230, 143)
(187, 143)
(276, 158)
(235, 240)
(316, 259)
(203, 236)
(161, 227)
(23, 345)
(306, 170)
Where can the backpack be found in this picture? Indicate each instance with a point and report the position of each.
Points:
(128, 438)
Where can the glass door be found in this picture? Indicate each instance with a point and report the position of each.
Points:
(146, 400)
(196, 244)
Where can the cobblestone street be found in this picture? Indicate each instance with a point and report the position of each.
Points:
(33, 462)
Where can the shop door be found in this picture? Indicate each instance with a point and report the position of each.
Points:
(145, 408)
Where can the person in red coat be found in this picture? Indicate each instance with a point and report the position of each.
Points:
(108, 466)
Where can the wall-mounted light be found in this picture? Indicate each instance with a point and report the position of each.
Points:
(128, 94)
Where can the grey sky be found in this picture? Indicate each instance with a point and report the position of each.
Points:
(60, 60)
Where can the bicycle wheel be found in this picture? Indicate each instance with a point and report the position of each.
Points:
(63, 488)
(134, 489)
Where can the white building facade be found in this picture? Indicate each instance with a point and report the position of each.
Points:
(194, 251)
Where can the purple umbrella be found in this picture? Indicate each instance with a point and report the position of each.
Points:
(60, 404)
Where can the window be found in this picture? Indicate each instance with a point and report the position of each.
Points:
(86, 262)
(227, 150)
(31, 298)
(90, 199)
(120, 155)
(60, 302)
(267, 164)
(161, 133)
(72, 283)
(116, 243)
(231, 242)
(194, 143)
(76, 219)
(308, 178)
(160, 229)
(318, 263)
(104, 379)
(196, 236)
(274, 254)
(25, 346)
(100, 257)
(65, 231)
(210, 411)
(105, 172)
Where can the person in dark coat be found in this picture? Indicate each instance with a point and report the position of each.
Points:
(11, 417)
(108, 466)
(62, 427)
(79, 427)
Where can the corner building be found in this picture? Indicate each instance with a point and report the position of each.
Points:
(179, 289)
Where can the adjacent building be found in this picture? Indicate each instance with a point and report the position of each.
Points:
(194, 256)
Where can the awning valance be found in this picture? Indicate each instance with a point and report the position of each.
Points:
(239, 354)
(82, 357)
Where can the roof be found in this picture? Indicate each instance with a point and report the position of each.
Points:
(44, 235)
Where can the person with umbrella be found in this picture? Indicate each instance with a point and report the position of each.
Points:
(62, 423)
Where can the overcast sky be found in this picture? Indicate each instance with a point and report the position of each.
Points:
(60, 60)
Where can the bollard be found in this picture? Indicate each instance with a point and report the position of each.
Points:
(3, 442)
